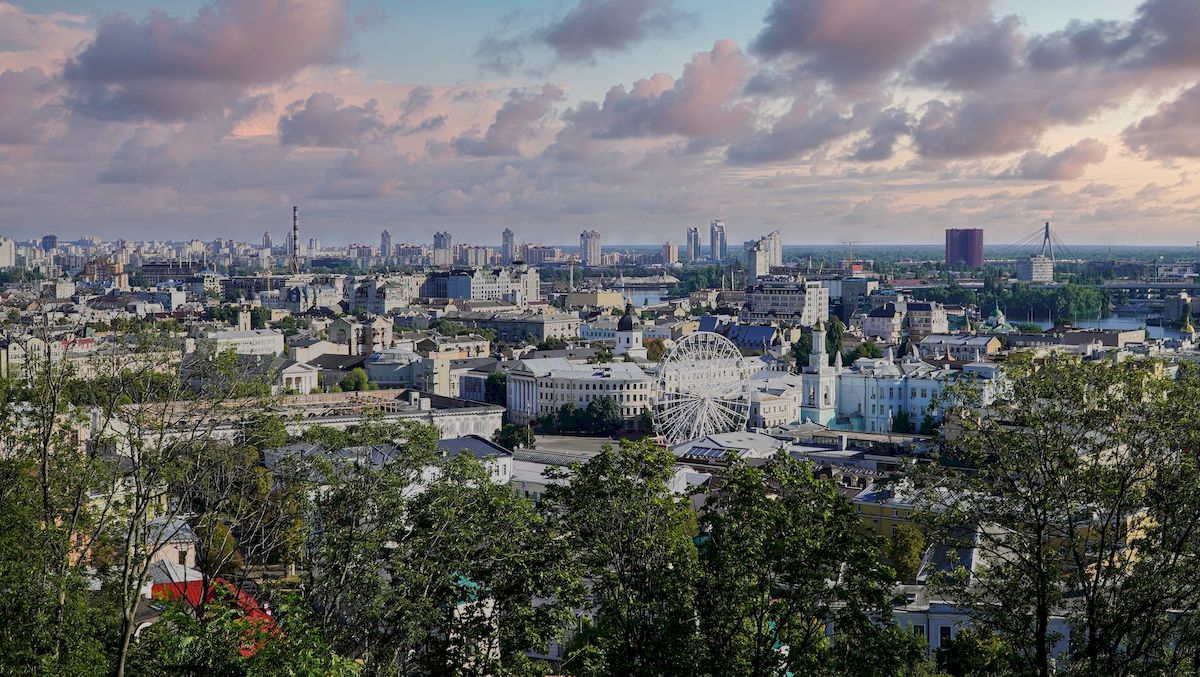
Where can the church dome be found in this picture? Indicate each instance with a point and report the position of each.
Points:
(629, 320)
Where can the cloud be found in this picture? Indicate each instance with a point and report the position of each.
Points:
(1065, 165)
(882, 137)
(323, 121)
(978, 56)
(587, 30)
(804, 128)
(702, 106)
(519, 119)
(22, 109)
(1173, 131)
(165, 69)
(595, 26)
(857, 40)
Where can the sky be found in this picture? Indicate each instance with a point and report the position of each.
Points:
(878, 121)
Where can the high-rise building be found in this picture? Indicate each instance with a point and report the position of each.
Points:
(692, 253)
(508, 246)
(443, 240)
(758, 260)
(8, 252)
(717, 247)
(443, 249)
(589, 248)
(49, 243)
(670, 253)
(1036, 268)
(771, 246)
(385, 243)
(964, 246)
(266, 240)
(314, 246)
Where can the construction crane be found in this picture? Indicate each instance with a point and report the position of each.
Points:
(850, 251)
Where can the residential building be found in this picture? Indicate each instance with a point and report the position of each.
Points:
(923, 319)
(8, 252)
(717, 241)
(692, 253)
(508, 247)
(511, 327)
(244, 342)
(1036, 268)
(787, 300)
(401, 368)
(885, 323)
(670, 253)
(589, 248)
(363, 336)
(961, 347)
(385, 244)
(964, 247)
(518, 285)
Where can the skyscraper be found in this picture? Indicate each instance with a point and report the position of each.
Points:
(266, 240)
(670, 253)
(508, 246)
(49, 243)
(443, 240)
(692, 253)
(443, 249)
(589, 248)
(385, 243)
(964, 246)
(716, 240)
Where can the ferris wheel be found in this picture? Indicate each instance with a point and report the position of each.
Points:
(703, 388)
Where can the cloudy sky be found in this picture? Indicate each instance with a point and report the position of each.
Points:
(882, 121)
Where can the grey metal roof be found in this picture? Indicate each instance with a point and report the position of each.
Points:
(475, 445)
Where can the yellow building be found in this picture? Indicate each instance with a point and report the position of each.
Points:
(596, 299)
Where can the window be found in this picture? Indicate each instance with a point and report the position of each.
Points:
(918, 630)
(183, 557)
(943, 634)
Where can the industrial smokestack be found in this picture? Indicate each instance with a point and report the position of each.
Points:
(294, 262)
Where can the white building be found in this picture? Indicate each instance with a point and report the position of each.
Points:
(787, 300)
(589, 248)
(629, 335)
(245, 341)
(537, 387)
(1035, 269)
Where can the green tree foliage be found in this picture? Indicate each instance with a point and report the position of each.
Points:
(569, 418)
(495, 388)
(513, 436)
(655, 349)
(552, 343)
(226, 642)
(976, 653)
(1076, 498)
(901, 422)
(427, 582)
(800, 352)
(772, 542)
(264, 431)
(602, 356)
(864, 349)
(603, 416)
(1069, 302)
(905, 548)
(632, 539)
(834, 332)
(356, 380)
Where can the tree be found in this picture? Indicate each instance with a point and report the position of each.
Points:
(905, 549)
(422, 581)
(259, 317)
(975, 652)
(603, 416)
(782, 555)
(800, 351)
(901, 423)
(356, 380)
(569, 417)
(264, 431)
(602, 356)
(833, 336)
(513, 436)
(495, 388)
(1071, 487)
(655, 349)
(864, 349)
(632, 538)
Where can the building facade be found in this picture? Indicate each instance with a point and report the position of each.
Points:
(964, 247)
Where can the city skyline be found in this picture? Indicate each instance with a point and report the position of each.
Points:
(638, 118)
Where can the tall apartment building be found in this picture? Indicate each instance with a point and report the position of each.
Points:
(692, 253)
(1036, 268)
(508, 246)
(8, 252)
(771, 244)
(589, 248)
(964, 246)
(758, 261)
(443, 249)
(670, 253)
(519, 285)
(385, 244)
(717, 241)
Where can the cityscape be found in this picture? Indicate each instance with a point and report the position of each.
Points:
(875, 387)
